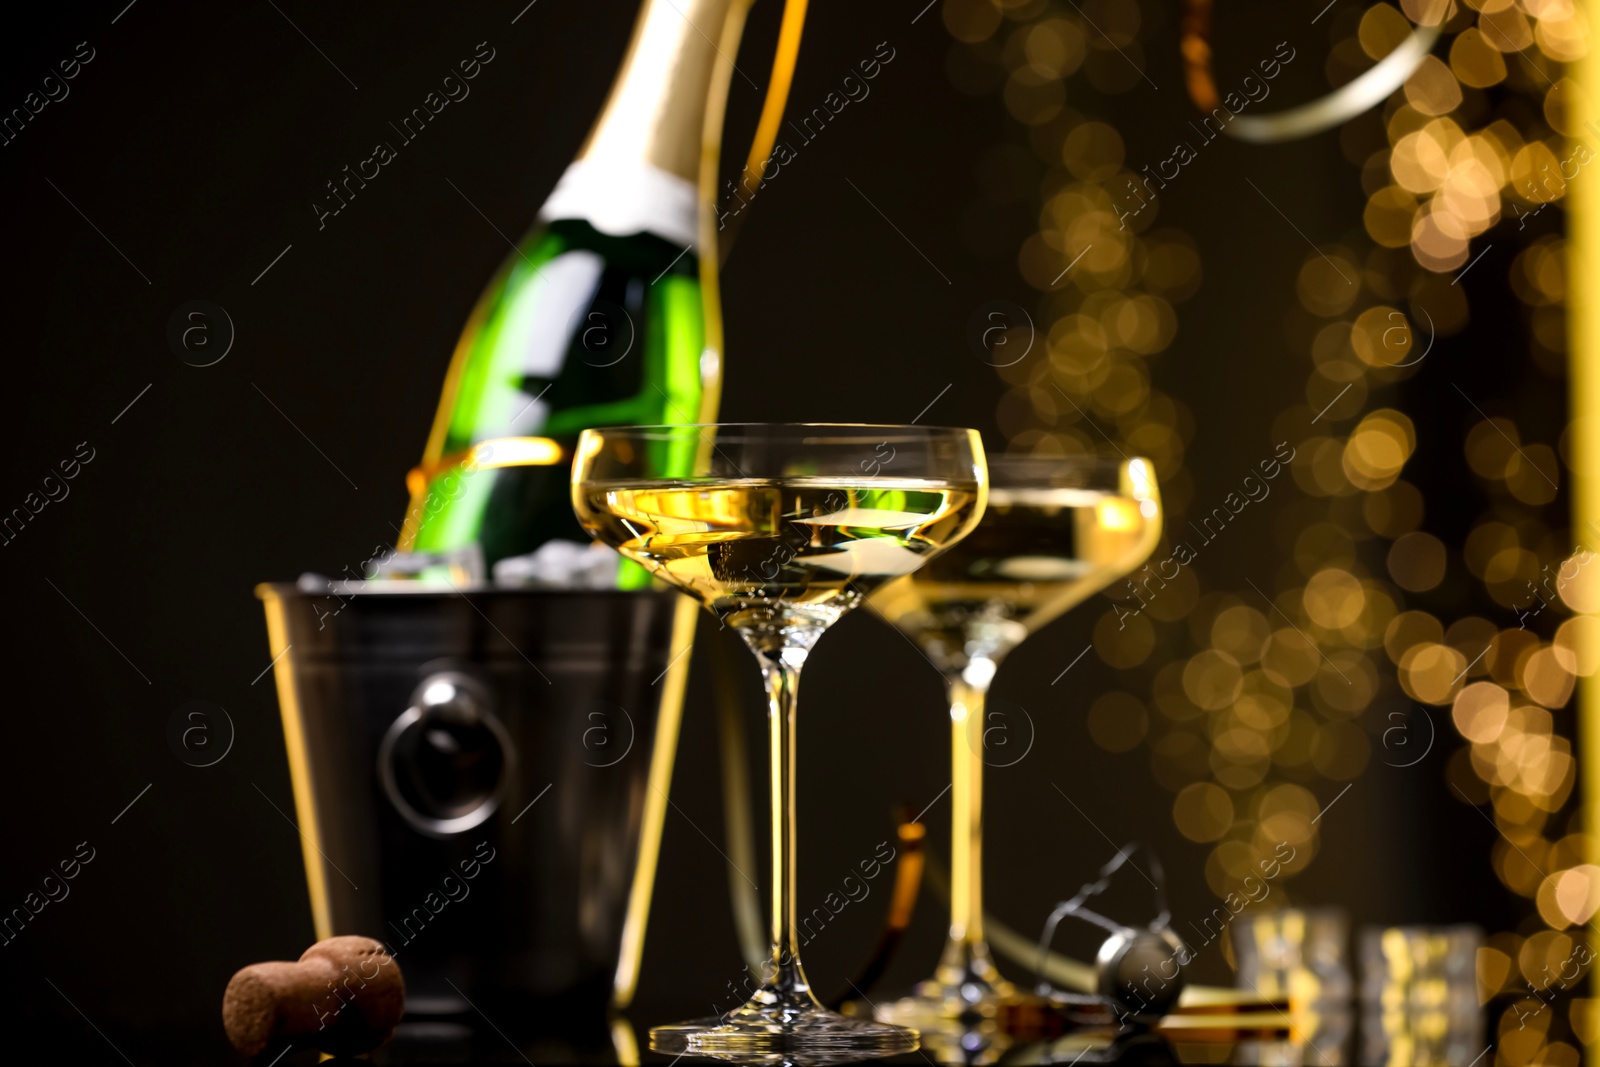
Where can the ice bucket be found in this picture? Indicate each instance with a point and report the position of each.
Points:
(479, 777)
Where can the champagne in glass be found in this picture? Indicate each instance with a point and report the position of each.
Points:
(1056, 531)
(781, 530)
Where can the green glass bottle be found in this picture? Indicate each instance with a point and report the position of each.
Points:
(597, 319)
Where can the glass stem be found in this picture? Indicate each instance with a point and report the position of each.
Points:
(785, 985)
(966, 965)
(966, 796)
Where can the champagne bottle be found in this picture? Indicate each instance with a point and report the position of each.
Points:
(597, 318)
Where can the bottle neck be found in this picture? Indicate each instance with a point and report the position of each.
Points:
(639, 168)
(656, 111)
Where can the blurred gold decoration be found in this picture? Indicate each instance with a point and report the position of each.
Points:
(1577, 640)
(1399, 47)
(1247, 698)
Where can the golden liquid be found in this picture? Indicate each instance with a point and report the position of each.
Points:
(790, 551)
(1035, 554)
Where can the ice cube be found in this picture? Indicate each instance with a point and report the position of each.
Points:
(560, 565)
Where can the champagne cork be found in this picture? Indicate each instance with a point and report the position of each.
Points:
(344, 996)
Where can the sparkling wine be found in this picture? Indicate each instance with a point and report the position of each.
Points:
(815, 546)
(1037, 553)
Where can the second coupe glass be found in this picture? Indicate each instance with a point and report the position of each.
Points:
(1056, 531)
(780, 530)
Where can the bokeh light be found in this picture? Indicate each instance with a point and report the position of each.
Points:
(1256, 706)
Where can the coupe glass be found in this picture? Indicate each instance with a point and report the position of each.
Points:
(780, 530)
(1056, 531)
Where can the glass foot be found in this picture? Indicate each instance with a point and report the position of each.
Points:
(966, 986)
(933, 1004)
(774, 1035)
(966, 1042)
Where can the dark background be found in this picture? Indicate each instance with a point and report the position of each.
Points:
(195, 142)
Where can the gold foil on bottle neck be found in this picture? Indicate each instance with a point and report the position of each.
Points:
(656, 109)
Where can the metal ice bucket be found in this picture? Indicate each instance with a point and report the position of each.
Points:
(472, 776)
